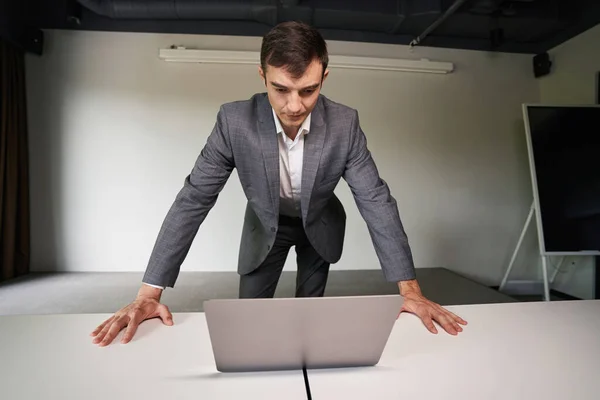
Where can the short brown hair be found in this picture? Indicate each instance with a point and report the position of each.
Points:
(293, 45)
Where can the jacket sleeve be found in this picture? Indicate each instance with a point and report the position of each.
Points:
(191, 206)
(378, 208)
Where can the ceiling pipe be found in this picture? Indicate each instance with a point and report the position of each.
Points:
(451, 10)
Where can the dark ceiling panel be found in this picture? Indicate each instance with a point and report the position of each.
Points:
(15, 30)
(580, 19)
(525, 26)
(373, 17)
(479, 26)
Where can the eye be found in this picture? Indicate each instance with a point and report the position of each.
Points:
(280, 90)
(309, 91)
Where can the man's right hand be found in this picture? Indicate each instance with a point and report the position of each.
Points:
(147, 305)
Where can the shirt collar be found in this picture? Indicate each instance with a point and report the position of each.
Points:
(304, 127)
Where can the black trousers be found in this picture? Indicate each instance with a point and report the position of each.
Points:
(312, 272)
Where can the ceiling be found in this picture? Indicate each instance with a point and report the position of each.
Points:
(521, 26)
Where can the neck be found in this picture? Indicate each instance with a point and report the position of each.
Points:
(291, 132)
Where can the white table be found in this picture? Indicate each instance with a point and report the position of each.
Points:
(546, 350)
(508, 351)
(52, 357)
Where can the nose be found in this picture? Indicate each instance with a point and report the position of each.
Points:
(294, 104)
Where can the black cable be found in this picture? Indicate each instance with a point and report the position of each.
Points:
(306, 384)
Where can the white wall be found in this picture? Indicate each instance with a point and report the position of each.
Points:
(575, 65)
(573, 81)
(114, 131)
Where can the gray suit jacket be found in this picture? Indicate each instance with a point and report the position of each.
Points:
(244, 137)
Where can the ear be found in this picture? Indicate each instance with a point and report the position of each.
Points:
(262, 75)
(324, 76)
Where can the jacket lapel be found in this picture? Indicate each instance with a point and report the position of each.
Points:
(270, 149)
(313, 147)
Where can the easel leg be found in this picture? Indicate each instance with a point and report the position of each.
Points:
(545, 275)
(514, 255)
(556, 269)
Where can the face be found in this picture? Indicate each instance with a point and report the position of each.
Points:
(293, 99)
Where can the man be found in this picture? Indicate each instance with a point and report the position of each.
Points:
(291, 146)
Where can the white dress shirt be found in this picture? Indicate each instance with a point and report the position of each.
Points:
(291, 153)
(291, 156)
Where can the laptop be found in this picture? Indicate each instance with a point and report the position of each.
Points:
(296, 333)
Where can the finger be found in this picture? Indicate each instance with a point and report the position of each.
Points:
(402, 309)
(165, 315)
(104, 331)
(457, 327)
(132, 328)
(429, 324)
(114, 330)
(459, 321)
(400, 312)
(102, 325)
(446, 322)
(455, 321)
(456, 317)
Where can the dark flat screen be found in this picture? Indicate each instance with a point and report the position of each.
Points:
(565, 142)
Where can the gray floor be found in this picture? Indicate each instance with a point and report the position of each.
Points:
(66, 293)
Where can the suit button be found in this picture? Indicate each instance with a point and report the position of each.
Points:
(268, 247)
(273, 229)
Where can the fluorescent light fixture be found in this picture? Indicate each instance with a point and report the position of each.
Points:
(391, 64)
(209, 56)
(181, 54)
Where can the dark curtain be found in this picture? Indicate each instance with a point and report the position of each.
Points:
(14, 174)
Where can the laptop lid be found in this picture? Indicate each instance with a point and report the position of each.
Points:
(292, 333)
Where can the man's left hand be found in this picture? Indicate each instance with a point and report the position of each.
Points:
(428, 311)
